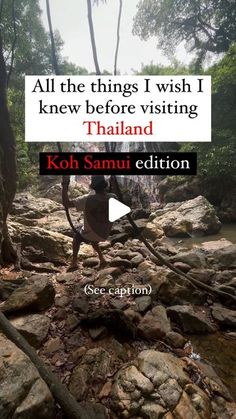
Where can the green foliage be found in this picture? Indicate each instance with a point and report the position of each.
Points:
(204, 25)
(32, 55)
(161, 70)
(218, 158)
(224, 92)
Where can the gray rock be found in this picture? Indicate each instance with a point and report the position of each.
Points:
(195, 258)
(194, 217)
(53, 345)
(94, 410)
(185, 408)
(221, 254)
(98, 332)
(152, 411)
(72, 322)
(94, 365)
(34, 328)
(158, 386)
(200, 401)
(136, 260)
(204, 275)
(125, 253)
(8, 286)
(226, 257)
(62, 301)
(36, 294)
(222, 277)
(119, 350)
(81, 305)
(54, 191)
(170, 392)
(223, 315)
(25, 203)
(41, 245)
(155, 324)
(91, 262)
(179, 291)
(151, 362)
(176, 340)
(23, 394)
(191, 320)
(143, 303)
(119, 304)
(65, 277)
(123, 263)
(111, 271)
(184, 267)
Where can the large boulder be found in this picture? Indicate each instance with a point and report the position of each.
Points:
(226, 257)
(191, 320)
(56, 222)
(33, 207)
(222, 251)
(54, 192)
(153, 230)
(182, 219)
(7, 286)
(155, 324)
(92, 370)
(23, 393)
(221, 194)
(156, 385)
(41, 245)
(224, 316)
(33, 327)
(36, 294)
(176, 189)
(177, 290)
(195, 258)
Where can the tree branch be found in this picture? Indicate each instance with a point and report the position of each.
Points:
(92, 37)
(54, 56)
(118, 37)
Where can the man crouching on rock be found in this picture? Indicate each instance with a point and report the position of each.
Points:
(96, 226)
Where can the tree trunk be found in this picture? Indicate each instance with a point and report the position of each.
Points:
(7, 166)
(92, 37)
(118, 37)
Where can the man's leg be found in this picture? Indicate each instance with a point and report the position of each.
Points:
(103, 261)
(77, 240)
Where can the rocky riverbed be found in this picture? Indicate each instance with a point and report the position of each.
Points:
(139, 356)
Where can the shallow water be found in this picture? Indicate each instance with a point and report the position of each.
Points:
(228, 231)
(220, 352)
(216, 348)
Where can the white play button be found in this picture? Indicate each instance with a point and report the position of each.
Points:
(116, 210)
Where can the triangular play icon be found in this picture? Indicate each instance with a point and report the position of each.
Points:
(116, 209)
